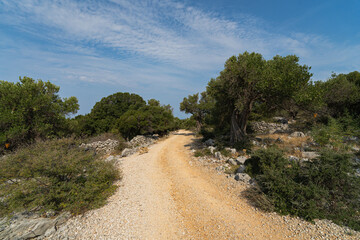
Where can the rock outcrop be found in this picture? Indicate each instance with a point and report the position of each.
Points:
(30, 225)
(101, 146)
(269, 128)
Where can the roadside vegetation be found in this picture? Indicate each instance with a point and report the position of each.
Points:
(55, 175)
(42, 166)
(251, 89)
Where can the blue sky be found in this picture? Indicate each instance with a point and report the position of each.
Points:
(166, 49)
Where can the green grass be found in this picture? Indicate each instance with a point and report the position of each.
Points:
(56, 175)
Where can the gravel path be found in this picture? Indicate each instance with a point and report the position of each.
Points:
(165, 195)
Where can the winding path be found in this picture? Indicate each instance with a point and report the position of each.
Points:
(165, 195)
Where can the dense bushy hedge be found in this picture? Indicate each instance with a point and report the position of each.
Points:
(55, 175)
(326, 187)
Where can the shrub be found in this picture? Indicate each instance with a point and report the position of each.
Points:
(202, 152)
(232, 169)
(327, 187)
(31, 110)
(330, 134)
(55, 175)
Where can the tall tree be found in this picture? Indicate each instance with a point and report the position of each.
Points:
(248, 79)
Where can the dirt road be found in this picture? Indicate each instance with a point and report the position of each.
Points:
(164, 195)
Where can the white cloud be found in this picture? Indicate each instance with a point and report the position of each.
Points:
(167, 44)
(165, 31)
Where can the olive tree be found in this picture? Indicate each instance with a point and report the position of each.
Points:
(249, 79)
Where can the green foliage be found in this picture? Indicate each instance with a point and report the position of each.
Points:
(265, 160)
(32, 109)
(326, 187)
(57, 175)
(330, 134)
(128, 115)
(335, 131)
(199, 108)
(308, 100)
(188, 123)
(105, 113)
(249, 82)
(146, 120)
(342, 94)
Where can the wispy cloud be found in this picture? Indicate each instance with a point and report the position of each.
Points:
(164, 31)
(157, 44)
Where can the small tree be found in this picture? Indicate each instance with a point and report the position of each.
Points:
(105, 113)
(148, 119)
(343, 94)
(199, 108)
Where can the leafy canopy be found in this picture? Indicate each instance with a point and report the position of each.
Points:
(198, 107)
(249, 80)
(32, 109)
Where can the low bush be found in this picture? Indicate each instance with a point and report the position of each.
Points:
(56, 175)
(232, 169)
(202, 152)
(326, 187)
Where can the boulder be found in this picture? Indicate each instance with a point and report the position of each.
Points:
(241, 169)
(243, 177)
(128, 151)
(293, 159)
(101, 146)
(218, 155)
(297, 134)
(212, 149)
(241, 160)
(141, 141)
(28, 226)
(265, 127)
(231, 150)
(210, 142)
(310, 155)
(231, 161)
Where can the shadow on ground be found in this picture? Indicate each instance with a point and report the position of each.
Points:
(185, 134)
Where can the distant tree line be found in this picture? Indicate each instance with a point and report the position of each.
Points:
(32, 110)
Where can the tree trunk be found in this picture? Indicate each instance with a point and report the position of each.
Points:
(239, 124)
(237, 134)
(198, 126)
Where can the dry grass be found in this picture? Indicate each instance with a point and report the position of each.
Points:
(290, 145)
(143, 150)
